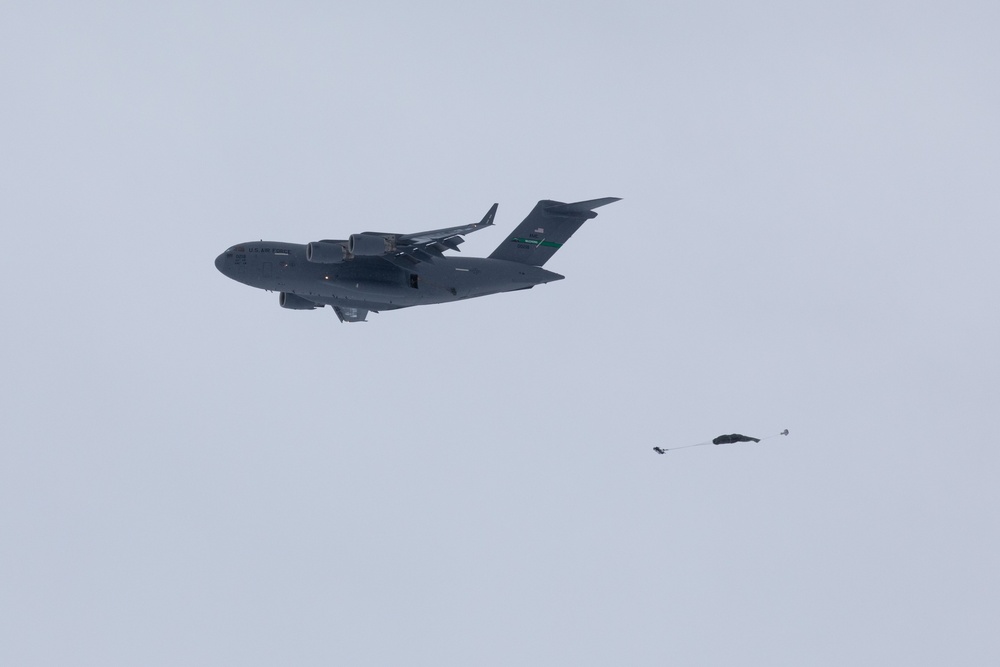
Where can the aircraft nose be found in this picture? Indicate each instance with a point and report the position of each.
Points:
(220, 263)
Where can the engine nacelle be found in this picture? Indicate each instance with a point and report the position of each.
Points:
(324, 252)
(370, 244)
(295, 302)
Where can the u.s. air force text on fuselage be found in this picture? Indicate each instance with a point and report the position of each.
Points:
(376, 271)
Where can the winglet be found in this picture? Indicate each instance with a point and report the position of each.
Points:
(488, 218)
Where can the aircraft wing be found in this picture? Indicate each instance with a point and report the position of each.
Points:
(425, 246)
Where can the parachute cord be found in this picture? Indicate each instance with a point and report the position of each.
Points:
(700, 444)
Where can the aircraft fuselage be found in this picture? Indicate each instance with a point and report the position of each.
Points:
(375, 283)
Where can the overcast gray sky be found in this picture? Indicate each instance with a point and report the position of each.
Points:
(807, 239)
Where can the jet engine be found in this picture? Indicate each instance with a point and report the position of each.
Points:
(370, 244)
(295, 302)
(325, 252)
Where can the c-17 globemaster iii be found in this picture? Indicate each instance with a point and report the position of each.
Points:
(376, 271)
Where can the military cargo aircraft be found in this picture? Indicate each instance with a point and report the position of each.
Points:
(375, 271)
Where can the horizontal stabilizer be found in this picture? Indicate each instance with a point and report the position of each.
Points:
(581, 207)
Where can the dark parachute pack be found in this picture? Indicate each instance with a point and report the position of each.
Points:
(721, 440)
(735, 437)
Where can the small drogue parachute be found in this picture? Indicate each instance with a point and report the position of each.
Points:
(721, 440)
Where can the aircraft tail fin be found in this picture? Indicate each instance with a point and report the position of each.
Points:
(546, 229)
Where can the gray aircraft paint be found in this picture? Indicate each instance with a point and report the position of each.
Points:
(414, 270)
